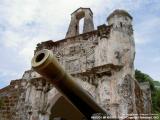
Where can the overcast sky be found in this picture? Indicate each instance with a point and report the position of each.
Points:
(24, 23)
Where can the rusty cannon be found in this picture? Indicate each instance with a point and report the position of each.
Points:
(45, 63)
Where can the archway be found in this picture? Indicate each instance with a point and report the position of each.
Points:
(64, 110)
(81, 25)
(81, 14)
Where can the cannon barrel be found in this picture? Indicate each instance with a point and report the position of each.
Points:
(46, 64)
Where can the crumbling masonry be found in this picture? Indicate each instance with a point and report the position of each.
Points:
(102, 62)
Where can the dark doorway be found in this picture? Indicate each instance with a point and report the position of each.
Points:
(64, 110)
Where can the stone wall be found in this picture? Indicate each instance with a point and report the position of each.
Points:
(145, 87)
(10, 96)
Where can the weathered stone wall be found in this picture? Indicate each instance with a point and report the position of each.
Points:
(145, 87)
(10, 96)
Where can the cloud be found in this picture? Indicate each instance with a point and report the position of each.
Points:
(156, 59)
(146, 29)
(5, 76)
(28, 22)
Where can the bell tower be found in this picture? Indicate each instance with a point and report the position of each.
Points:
(76, 16)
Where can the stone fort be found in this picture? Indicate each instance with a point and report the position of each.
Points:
(101, 60)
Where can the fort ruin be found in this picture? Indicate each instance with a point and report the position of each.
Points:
(101, 60)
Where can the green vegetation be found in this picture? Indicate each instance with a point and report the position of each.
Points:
(156, 83)
(155, 91)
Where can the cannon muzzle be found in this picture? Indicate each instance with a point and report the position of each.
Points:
(46, 64)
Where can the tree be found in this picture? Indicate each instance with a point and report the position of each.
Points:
(142, 77)
(155, 93)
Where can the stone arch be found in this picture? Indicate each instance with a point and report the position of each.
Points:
(81, 24)
(53, 101)
(62, 109)
(76, 16)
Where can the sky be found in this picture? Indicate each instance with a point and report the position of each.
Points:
(24, 23)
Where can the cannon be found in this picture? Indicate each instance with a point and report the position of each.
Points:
(45, 63)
